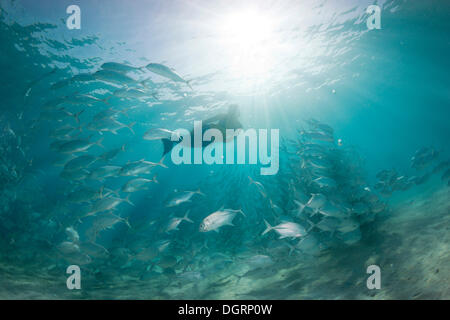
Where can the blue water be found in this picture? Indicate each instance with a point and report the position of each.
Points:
(288, 65)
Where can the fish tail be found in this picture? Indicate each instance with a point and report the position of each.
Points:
(106, 100)
(168, 145)
(127, 199)
(199, 192)
(99, 143)
(154, 179)
(161, 162)
(268, 227)
(186, 218)
(312, 225)
(77, 115)
(242, 212)
(291, 248)
(122, 148)
(125, 220)
(301, 207)
(124, 112)
(188, 82)
(130, 126)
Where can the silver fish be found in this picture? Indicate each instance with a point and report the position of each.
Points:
(286, 230)
(218, 219)
(166, 72)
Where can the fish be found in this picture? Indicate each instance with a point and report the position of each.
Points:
(81, 162)
(175, 222)
(72, 234)
(137, 184)
(74, 175)
(105, 221)
(111, 154)
(325, 183)
(133, 93)
(140, 167)
(85, 99)
(107, 204)
(113, 77)
(94, 250)
(166, 72)
(190, 276)
(217, 219)
(159, 134)
(147, 254)
(85, 195)
(315, 135)
(78, 145)
(103, 172)
(58, 115)
(119, 67)
(329, 210)
(109, 125)
(68, 247)
(259, 261)
(347, 225)
(286, 230)
(183, 197)
(64, 132)
(167, 261)
(108, 113)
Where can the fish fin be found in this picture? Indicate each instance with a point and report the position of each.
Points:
(200, 193)
(301, 207)
(130, 126)
(312, 225)
(99, 142)
(161, 162)
(127, 199)
(76, 116)
(268, 227)
(168, 145)
(125, 220)
(291, 248)
(186, 218)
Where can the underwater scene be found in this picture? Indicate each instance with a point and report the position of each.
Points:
(222, 149)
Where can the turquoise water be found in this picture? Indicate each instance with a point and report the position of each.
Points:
(348, 102)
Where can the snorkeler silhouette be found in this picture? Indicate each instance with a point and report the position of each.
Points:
(222, 122)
